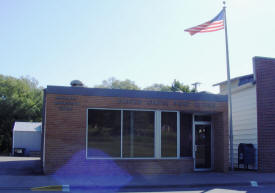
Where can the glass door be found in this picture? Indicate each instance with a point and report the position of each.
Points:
(202, 147)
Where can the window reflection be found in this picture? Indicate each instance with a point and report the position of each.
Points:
(104, 133)
(168, 134)
(138, 134)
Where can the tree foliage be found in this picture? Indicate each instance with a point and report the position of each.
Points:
(20, 100)
(176, 86)
(127, 84)
(113, 83)
(159, 87)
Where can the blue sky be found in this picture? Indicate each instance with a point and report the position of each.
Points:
(142, 40)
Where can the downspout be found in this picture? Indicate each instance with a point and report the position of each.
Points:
(43, 132)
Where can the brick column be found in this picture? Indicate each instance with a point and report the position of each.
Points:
(265, 83)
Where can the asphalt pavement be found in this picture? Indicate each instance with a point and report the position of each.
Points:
(21, 174)
(227, 189)
(20, 165)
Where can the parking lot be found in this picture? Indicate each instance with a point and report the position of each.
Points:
(20, 165)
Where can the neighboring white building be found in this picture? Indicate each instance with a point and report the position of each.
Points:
(27, 135)
(244, 112)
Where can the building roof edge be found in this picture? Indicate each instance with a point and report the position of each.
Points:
(84, 91)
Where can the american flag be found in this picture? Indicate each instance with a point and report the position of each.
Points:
(213, 25)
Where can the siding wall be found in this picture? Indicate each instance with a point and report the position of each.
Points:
(223, 87)
(29, 140)
(244, 115)
(264, 71)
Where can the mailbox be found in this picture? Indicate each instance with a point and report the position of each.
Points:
(246, 155)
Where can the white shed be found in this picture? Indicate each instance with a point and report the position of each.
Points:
(27, 135)
(244, 112)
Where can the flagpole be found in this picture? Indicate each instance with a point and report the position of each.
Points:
(229, 92)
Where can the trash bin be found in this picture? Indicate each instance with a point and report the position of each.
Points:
(246, 155)
(19, 151)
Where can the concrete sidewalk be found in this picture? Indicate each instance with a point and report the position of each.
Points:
(188, 180)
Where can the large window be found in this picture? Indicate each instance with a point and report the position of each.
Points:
(169, 134)
(106, 126)
(138, 134)
(104, 133)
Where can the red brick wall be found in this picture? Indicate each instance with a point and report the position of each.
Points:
(265, 82)
(221, 141)
(65, 143)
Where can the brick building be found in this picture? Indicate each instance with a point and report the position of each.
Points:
(264, 74)
(109, 131)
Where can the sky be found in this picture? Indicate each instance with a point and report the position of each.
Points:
(56, 41)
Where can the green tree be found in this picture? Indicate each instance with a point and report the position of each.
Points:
(20, 100)
(158, 87)
(113, 83)
(177, 86)
(127, 84)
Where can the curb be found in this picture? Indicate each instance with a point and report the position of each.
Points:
(129, 187)
(15, 188)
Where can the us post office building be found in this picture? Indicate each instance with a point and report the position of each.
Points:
(140, 132)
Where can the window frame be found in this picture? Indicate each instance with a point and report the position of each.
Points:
(87, 133)
(157, 134)
(121, 129)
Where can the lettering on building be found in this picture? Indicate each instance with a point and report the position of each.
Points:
(66, 103)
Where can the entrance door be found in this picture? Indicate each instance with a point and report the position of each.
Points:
(202, 147)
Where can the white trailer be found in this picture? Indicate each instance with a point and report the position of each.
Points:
(27, 135)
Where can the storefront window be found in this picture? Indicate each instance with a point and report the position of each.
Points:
(138, 134)
(168, 134)
(104, 133)
(186, 125)
(131, 134)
